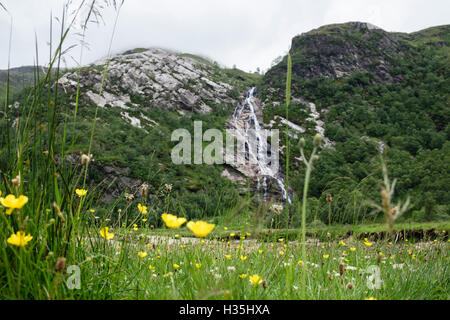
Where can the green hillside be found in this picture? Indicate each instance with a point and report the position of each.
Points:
(372, 87)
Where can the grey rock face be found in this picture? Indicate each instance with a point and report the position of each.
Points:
(254, 162)
(115, 180)
(233, 176)
(163, 79)
(339, 50)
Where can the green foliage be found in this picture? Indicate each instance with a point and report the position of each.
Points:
(409, 115)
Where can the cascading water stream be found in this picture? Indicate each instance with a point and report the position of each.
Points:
(260, 157)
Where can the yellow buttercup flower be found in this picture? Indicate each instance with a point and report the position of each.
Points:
(176, 266)
(172, 221)
(243, 258)
(104, 232)
(81, 192)
(11, 202)
(367, 243)
(200, 228)
(300, 262)
(19, 239)
(142, 254)
(151, 267)
(352, 249)
(243, 276)
(370, 298)
(342, 243)
(142, 209)
(255, 279)
(326, 256)
(228, 256)
(198, 265)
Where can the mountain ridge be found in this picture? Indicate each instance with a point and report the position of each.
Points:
(392, 101)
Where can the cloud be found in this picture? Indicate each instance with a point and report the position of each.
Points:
(248, 34)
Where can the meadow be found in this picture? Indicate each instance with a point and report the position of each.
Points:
(137, 263)
(58, 242)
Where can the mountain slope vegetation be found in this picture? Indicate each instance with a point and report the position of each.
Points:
(368, 91)
(375, 92)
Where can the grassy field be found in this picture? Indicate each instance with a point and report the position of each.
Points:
(222, 270)
(417, 231)
(140, 263)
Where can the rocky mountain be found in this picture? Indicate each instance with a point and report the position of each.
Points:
(369, 92)
(146, 94)
(365, 90)
(164, 79)
(338, 50)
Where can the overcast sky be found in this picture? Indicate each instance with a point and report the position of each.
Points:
(245, 33)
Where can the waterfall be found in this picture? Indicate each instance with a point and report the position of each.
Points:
(245, 112)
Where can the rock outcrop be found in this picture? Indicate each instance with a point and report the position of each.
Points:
(338, 50)
(142, 82)
(158, 77)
